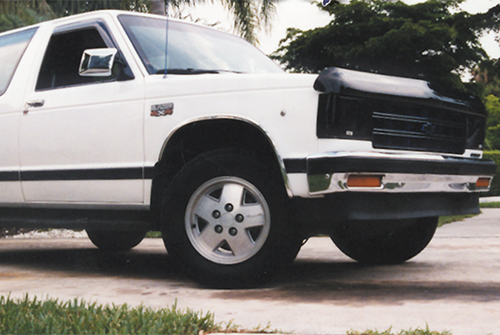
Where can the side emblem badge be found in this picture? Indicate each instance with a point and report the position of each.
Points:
(162, 109)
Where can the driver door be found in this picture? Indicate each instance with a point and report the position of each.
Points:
(81, 138)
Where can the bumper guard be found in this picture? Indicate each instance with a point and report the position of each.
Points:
(399, 173)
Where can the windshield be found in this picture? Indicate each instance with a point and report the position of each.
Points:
(12, 47)
(192, 49)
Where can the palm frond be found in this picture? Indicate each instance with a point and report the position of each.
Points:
(267, 12)
(245, 18)
(249, 15)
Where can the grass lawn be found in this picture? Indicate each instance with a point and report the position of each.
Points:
(449, 219)
(489, 205)
(417, 331)
(31, 316)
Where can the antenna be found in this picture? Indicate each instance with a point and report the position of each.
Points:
(166, 37)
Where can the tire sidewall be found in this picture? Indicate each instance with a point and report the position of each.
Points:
(379, 242)
(115, 240)
(269, 258)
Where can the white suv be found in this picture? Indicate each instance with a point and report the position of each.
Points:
(120, 123)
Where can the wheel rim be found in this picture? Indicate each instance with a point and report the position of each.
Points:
(227, 220)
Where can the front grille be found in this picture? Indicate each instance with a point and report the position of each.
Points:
(426, 129)
(399, 125)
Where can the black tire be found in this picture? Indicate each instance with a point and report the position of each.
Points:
(384, 242)
(225, 220)
(115, 240)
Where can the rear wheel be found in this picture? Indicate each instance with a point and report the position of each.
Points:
(115, 240)
(225, 220)
(384, 242)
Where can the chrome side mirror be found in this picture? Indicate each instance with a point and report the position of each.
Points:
(97, 62)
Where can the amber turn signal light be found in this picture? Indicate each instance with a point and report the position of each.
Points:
(483, 182)
(364, 181)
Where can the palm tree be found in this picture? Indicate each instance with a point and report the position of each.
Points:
(249, 15)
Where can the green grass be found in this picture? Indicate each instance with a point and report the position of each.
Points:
(32, 316)
(153, 234)
(417, 331)
(449, 219)
(489, 205)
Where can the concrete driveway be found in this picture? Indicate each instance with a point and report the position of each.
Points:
(453, 285)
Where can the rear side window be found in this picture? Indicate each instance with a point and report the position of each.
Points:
(12, 47)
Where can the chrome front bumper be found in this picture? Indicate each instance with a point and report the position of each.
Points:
(399, 173)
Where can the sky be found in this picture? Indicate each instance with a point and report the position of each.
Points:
(304, 15)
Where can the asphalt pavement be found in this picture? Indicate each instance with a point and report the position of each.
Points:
(452, 285)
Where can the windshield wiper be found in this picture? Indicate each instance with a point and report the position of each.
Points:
(193, 71)
(187, 71)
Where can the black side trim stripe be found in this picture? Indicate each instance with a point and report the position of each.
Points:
(295, 165)
(9, 176)
(149, 172)
(80, 174)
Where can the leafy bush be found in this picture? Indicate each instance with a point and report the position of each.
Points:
(32, 316)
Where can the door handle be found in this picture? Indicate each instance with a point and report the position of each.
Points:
(33, 104)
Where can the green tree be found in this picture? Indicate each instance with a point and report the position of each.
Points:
(14, 14)
(487, 76)
(19, 13)
(487, 79)
(249, 15)
(59, 8)
(492, 104)
(427, 40)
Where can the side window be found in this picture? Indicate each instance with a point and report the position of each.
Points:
(62, 59)
(12, 47)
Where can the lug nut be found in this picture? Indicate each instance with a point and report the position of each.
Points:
(216, 214)
(239, 218)
(233, 231)
(229, 207)
(219, 229)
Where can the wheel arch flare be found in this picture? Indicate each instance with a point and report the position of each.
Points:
(211, 133)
